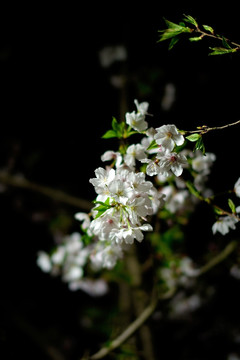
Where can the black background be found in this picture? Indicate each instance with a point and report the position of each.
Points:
(55, 103)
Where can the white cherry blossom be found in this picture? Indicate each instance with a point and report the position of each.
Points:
(171, 162)
(237, 187)
(136, 121)
(168, 136)
(134, 152)
(142, 108)
(224, 224)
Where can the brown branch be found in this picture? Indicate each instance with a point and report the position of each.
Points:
(216, 37)
(22, 183)
(216, 260)
(204, 129)
(129, 331)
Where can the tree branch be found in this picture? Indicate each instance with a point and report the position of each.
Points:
(21, 182)
(216, 260)
(204, 129)
(129, 331)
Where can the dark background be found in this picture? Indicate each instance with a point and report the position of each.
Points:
(55, 103)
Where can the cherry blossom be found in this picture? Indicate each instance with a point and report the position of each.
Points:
(168, 136)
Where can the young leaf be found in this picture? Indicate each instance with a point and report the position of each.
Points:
(225, 43)
(103, 206)
(196, 38)
(200, 145)
(221, 51)
(172, 30)
(190, 20)
(208, 28)
(232, 206)
(173, 42)
(193, 137)
(153, 145)
(115, 124)
(109, 134)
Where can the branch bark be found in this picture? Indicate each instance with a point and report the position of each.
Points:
(58, 195)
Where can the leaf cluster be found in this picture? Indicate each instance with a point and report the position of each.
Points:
(119, 130)
(199, 142)
(190, 27)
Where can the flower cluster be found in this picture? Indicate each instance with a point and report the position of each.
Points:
(126, 199)
(139, 181)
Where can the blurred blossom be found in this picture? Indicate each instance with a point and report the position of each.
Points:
(109, 54)
(235, 271)
(233, 356)
(168, 97)
(93, 288)
(182, 305)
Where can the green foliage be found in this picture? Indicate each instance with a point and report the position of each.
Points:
(174, 31)
(193, 137)
(208, 28)
(153, 145)
(232, 206)
(103, 206)
(116, 131)
(199, 142)
(119, 130)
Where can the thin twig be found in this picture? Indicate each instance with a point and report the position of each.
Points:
(21, 182)
(204, 129)
(216, 260)
(217, 37)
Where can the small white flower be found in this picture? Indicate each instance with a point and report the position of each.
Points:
(152, 167)
(202, 163)
(58, 255)
(102, 179)
(72, 273)
(118, 190)
(106, 256)
(104, 224)
(136, 121)
(142, 108)
(44, 261)
(128, 234)
(134, 152)
(224, 224)
(237, 187)
(84, 218)
(171, 162)
(93, 288)
(110, 54)
(168, 136)
(112, 155)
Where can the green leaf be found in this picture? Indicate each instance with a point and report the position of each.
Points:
(115, 124)
(221, 51)
(197, 38)
(190, 19)
(103, 206)
(172, 30)
(118, 130)
(153, 145)
(173, 42)
(225, 43)
(200, 146)
(193, 137)
(208, 28)
(109, 134)
(232, 206)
